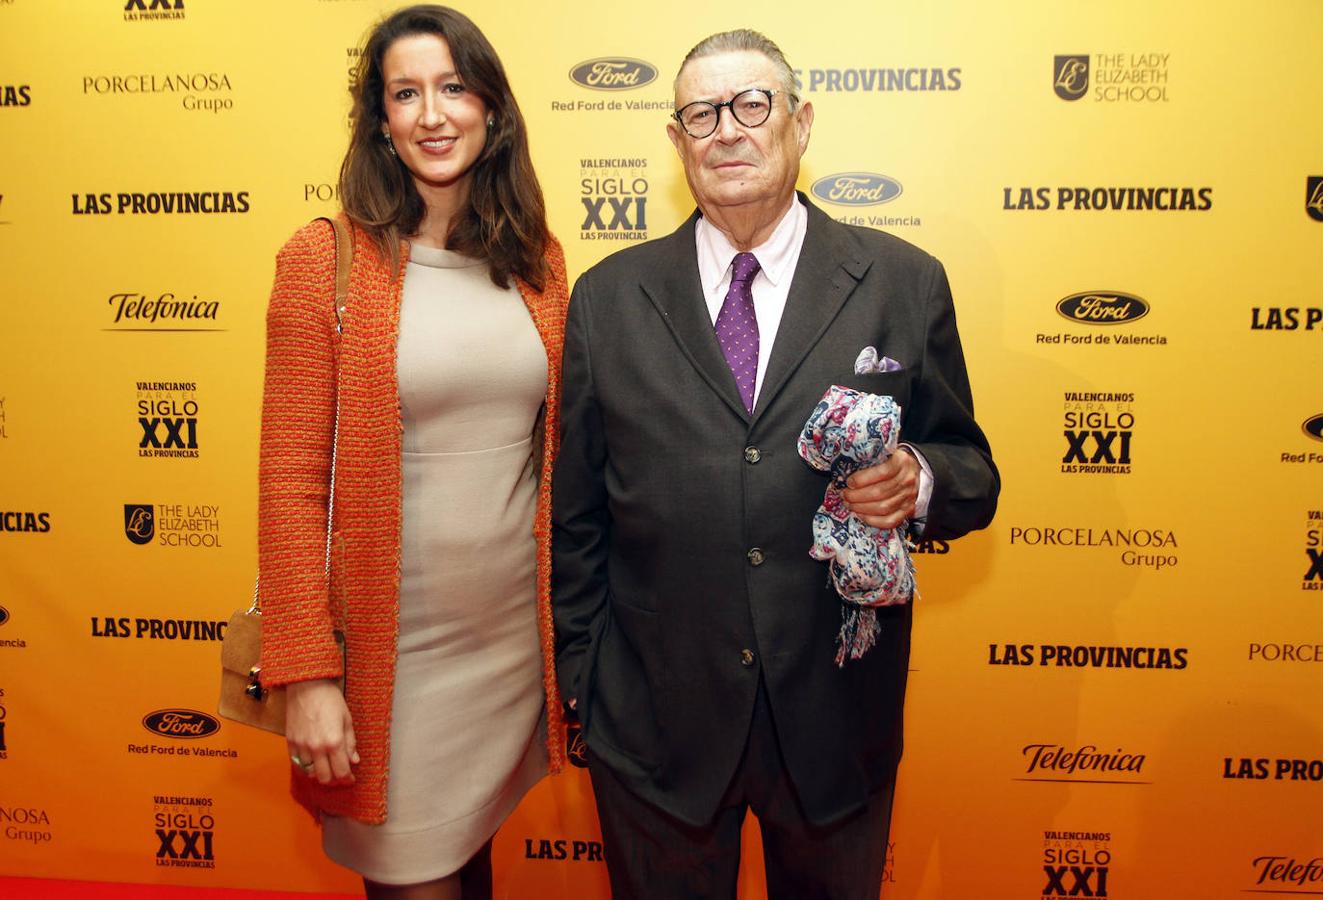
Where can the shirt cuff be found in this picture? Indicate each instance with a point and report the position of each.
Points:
(925, 486)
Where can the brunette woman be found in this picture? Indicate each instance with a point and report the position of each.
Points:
(446, 376)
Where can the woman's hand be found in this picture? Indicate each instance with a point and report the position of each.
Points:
(319, 731)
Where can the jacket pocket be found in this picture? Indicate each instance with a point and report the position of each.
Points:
(628, 686)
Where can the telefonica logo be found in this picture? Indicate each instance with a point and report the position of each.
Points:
(613, 73)
(1102, 307)
(1288, 870)
(1314, 427)
(856, 189)
(1063, 759)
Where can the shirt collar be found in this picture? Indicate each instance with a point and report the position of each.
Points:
(776, 255)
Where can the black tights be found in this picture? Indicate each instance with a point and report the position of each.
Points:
(472, 882)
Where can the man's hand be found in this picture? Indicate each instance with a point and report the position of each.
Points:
(885, 495)
(319, 732)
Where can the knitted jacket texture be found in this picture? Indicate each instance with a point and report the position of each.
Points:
(300, 610)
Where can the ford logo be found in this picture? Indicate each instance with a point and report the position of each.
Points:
(1102, 308)
(1314, 427)
(613, 73)
(856, 189)
(181, 723)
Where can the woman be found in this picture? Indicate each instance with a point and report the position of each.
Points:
(448, 370)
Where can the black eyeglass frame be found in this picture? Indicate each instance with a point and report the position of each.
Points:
(729, 104)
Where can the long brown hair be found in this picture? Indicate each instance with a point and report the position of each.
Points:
(505, 221)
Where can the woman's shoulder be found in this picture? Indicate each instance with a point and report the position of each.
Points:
(305, 271)
(313, 239)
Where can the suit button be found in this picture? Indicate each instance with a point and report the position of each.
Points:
(755, 556)
(752, 455)
(746, 657)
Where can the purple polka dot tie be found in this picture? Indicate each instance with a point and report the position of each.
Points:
(737, 327)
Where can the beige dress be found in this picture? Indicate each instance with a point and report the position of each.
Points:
(467, 733)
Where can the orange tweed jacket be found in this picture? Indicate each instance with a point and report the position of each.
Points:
(300, 611)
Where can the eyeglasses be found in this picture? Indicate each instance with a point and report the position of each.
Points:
(750, 108)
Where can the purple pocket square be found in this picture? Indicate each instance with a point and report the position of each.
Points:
(868, 363)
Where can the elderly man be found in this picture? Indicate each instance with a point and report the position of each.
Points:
(695, 635)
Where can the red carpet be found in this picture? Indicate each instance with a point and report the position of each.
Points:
(47, 889)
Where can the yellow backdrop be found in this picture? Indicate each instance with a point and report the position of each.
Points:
(1115, 687)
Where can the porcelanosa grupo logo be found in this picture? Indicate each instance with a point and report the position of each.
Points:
(25, 823)
(1314, 197)
(197, 91)
(1071, 76)
(856, 189)
(1307, 651)
(613, 73)
(1154, 548)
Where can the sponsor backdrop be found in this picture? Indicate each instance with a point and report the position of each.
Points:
(1113, 689)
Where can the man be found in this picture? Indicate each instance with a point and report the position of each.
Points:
(695, 635)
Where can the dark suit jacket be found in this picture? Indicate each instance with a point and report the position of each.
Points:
(659, 500)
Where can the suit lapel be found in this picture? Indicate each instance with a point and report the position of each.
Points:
(825, 276)
(676, 291)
